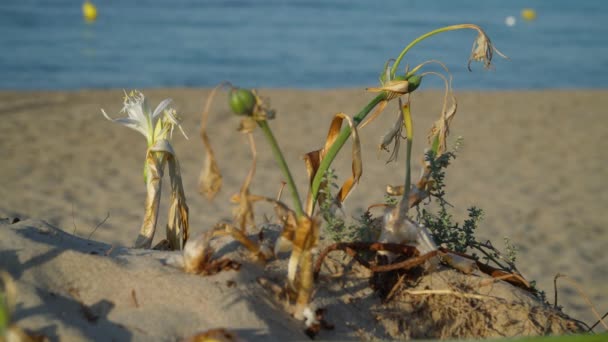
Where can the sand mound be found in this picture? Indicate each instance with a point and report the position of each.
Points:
(70, 288)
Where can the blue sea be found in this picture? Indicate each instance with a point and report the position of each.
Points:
(46, 44)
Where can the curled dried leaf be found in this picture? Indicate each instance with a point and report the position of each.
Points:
(210, 179)
(393, 88)
(379, 109)
(243, 212)
(313, 160)
(356, 165)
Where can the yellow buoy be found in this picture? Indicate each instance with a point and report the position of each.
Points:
(528, 14)
(89, 11)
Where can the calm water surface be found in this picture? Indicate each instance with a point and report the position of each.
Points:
(301, 44)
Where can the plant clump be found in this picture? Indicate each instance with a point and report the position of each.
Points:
(401, 252)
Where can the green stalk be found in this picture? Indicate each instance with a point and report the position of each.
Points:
(423, 37)
(409, 129)
(330, 155)
(276, 150)
(4, 314)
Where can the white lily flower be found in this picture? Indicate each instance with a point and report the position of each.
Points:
(153, 125)
(157, 126)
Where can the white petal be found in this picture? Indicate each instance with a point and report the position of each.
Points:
(127, 122)
(175, 122)
(106, 115)
(182, 130)
(161, 106)
(136, 111)
(132, 124)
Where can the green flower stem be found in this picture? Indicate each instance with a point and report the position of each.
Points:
(421, 38)
(337, 145)
(4, 314)
(276, 150)
(409, 129)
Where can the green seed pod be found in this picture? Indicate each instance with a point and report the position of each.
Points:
(413, 83)
(241, 101)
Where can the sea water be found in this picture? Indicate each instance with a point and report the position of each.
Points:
(46, 44)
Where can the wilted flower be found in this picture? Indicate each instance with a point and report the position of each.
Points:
(483, 50)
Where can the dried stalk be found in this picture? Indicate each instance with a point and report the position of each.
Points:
(351, 248)
(155, 168)
(582, 294)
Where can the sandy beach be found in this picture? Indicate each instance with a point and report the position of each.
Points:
(534, 161)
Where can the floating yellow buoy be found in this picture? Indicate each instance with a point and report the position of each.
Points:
(528, 14)
(89, 11)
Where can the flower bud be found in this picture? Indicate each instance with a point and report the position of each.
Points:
(242, 101)
(413, 83)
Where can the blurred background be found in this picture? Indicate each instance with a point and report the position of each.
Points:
(48, 44)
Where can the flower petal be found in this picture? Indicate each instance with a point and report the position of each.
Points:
(134, 107)
(173, 119)
(161, 106)
(128, 122)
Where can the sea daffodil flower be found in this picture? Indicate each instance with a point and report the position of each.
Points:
(157, 126)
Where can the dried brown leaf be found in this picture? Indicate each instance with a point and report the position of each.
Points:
(155, 168)
(243, 212)
(379, 109)
(177, 224)
(306, 237)
(313, 159)
(210, 179)
(357, 163)
(393, 88)
(177, 221)
(288, 221)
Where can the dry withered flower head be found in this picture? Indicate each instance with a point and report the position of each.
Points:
(483, 50)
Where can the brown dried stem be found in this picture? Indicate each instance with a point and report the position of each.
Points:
(351, 248)
(582, 294)
(513, 278)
